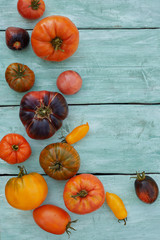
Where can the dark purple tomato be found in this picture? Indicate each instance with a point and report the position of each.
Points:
(17, 38)
(42, 113)
(146, 188)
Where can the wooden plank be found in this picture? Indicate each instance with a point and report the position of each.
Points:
(125, 67)
(142, 220)
(89, 14)
(122, 138)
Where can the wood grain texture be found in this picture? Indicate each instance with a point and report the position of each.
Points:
(142, 222)
(90, 14)
(121, 139)
(125, 67)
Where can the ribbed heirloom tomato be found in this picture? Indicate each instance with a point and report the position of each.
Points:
(60, 161)
(14, 148)
(83, 194)
(27, 191)
(55, 38)
(42, 113)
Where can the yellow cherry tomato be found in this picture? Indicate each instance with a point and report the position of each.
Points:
(117, 206)
(77, 134)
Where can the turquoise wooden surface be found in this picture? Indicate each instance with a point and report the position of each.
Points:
(122, 138)
(125, 68)
(91, 14)
(142, 221)
(119, 62)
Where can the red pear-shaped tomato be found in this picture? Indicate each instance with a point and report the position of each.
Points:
(42, 113)
(146, 188)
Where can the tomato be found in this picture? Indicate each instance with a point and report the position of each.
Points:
(42, 113)
(31, 9)
(16, 38)
(55, 38)
(77, 134)
(69, 82)
(14, 148)
(146, 188)
(27, 191)
(117, 206)
(60, 161)
(53, 219)
(83, 194)
(19, 77)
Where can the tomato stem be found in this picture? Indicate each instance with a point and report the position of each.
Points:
(15, 147)
(35, 4)
(56, 43)
(125, 220)
(69, 227)
(22, 172)
(43, 112)
(20, 72)
(140, 176)
(57, 166)
(82, 193)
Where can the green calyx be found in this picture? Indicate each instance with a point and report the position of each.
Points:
(56, 43)
(140, 176)
(19, 72)
(82, 194)
(22, 171)
(43, 112)
(15, 147)
(69, 227)
(35, 4)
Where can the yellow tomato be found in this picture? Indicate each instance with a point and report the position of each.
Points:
(77, 134)
(117, 206)
(27, 191)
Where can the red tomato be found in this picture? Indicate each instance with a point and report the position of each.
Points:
(55, 38)
(83, 194)
(31, 9)
(14, 148)
(69, 82)
(53, 219)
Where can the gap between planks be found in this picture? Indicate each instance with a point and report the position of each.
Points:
(103, 28)
(96, 174)
(90, 104)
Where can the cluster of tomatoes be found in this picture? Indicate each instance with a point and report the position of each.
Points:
(54, 38)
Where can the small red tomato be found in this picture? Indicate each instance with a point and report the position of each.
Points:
(69, 82)
(14, 148)
(146, 188)
(31, 9)
(53, 219)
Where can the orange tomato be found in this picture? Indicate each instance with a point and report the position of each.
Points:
(55, 38)
(83, 194)
(53, 219)
(27, 191)
(117, 206)
(14, 148)
(77, 134)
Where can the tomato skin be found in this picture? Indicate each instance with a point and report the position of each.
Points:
(116, 205)
(14, 148)
(146, 188)
(51, 218)
(16, 38)
(19, 77)
(55, 38)
(60, 161)
(42, 112)
(77, 134)
(69, 82)
(26, 192)
(83, 194)
(27, 10)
